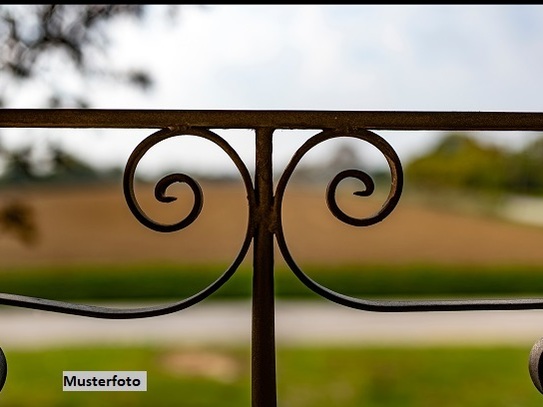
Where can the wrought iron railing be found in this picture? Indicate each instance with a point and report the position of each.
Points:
(265, 206)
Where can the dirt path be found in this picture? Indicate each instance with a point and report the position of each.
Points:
(297, 323)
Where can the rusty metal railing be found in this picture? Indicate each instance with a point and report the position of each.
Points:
(264, 224)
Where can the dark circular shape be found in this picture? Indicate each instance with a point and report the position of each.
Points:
(334, 207)
(160, 195)
(535, 365)
(3, 369)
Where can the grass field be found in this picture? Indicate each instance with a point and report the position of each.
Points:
(307, 377)
(155, 281)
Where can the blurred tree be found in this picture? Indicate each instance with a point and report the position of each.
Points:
(17, 218)
(37, 40)
(19, 166)
(460, 161)
(527, 169)
(46, 47)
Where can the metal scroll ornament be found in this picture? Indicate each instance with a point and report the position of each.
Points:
(368, 184)
(3, 369)
(267, 217)
(536, 365)
(161, 195)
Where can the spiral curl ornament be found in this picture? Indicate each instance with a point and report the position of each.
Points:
(387, 207)
(384, 147)
(160, 193)
(161, 186)
(368, 191)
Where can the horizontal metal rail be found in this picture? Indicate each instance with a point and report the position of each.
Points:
(276, 119)
(264, 224)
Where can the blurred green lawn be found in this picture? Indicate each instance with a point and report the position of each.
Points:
(307, 377)
(176, 281)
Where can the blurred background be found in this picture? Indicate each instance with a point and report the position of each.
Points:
(468, 225)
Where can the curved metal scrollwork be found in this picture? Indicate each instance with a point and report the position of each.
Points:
(364, 135)
(160, 194)
(3, 369)
(387, 207)
(265, 220)
(164, 183)
(368, 191)
(536, 365)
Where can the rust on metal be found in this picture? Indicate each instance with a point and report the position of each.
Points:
(263, 298)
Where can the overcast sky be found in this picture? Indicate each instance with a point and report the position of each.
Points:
(321, 57)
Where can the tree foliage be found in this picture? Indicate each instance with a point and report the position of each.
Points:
(74, 37)
(462, 162)
(46, 47)
(57, 166)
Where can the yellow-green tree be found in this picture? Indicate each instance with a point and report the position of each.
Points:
(460, 161)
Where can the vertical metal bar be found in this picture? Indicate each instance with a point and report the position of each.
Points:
(264, 391)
